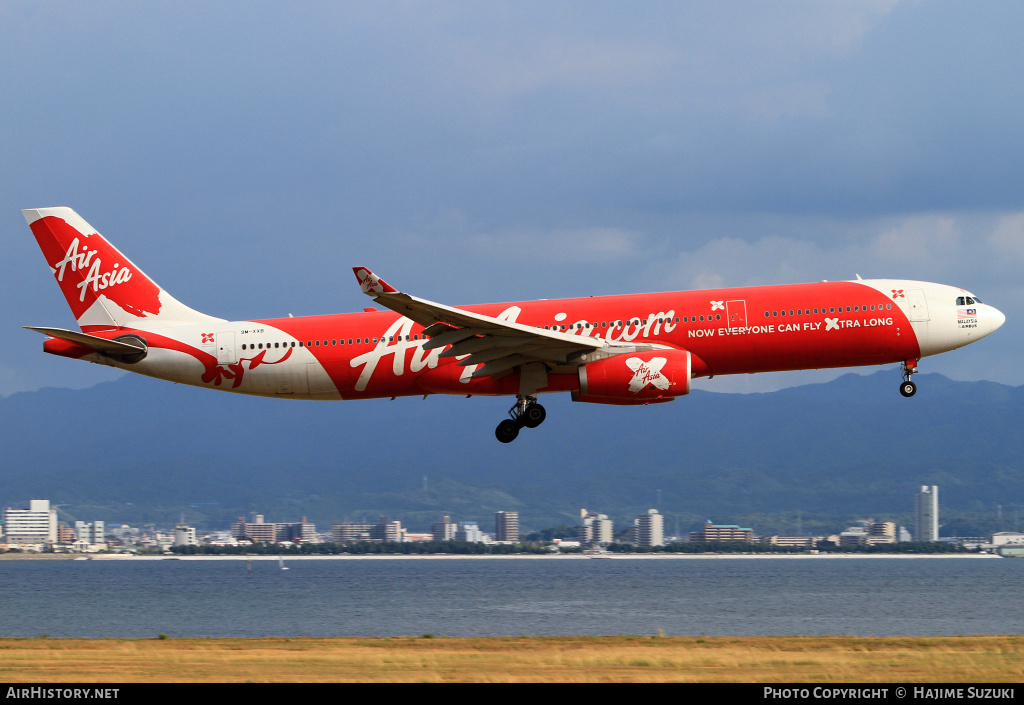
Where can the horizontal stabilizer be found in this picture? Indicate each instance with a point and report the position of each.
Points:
(90, 341)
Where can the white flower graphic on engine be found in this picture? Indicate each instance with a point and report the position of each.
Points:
(647, 372)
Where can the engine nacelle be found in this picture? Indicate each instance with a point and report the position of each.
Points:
(637, 378)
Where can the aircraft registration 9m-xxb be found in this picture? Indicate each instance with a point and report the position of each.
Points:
(629, 350)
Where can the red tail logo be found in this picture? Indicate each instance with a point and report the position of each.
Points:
(87, 267)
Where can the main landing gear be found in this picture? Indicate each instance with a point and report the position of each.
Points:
(525, 412)
(908, 388)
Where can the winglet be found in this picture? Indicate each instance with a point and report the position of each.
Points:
(371, 284)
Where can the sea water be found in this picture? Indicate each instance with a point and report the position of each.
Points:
(728, 596)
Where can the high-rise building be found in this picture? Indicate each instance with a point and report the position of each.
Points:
(385, 530)
(506, 526)
(650, 529)
(90, 532)
(184, 535)
(444, 530)
(259, 532)
(927, 501)
(595, 529)
(299, 532)
(37, 524)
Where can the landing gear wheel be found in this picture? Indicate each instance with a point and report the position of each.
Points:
(908, 388)
(507, 431)
(533, 416)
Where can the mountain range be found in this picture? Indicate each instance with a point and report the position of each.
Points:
(137, 450)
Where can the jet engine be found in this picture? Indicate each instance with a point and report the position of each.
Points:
(638, 378)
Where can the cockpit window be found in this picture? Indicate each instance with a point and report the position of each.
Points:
(967, 301)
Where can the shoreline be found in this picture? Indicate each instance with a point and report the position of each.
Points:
(455, 556)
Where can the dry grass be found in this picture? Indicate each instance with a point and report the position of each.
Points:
(520, 659)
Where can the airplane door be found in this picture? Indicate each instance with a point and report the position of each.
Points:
(226, 349)
(918, 305)
(736, 313)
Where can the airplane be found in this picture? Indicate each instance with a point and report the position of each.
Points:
(632, 349)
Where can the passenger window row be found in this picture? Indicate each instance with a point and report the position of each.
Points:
(325, 343)
(634, 321)
(830, 309)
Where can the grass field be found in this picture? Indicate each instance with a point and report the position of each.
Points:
(982, 659)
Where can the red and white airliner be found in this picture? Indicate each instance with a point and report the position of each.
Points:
(629, 349)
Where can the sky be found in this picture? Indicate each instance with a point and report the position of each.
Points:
(247, 154)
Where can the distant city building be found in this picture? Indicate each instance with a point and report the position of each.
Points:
(854, 536)
(65, 534)
(385, 530)
(880, 532)
(299, 532)
(90, 532)
(927, 503)
(506, 526)
(721, 532)
(650, 529)
(262, 532)
(445, 529)
(124, 534)
(1006, 538)
(792, 541)
(258, 532)
(350, 532)
(35, 525)
(469, 531)
(595, 529)
(184, 535)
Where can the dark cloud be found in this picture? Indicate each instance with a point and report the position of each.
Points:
(245, 154)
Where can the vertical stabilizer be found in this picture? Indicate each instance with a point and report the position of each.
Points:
(103, 287)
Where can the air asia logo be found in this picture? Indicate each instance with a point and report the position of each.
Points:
(832, 323)
(898, 294)
(717, 305)
(88, 268)
(648, 372)
(369, 282)
(80, 259)
(207, 337)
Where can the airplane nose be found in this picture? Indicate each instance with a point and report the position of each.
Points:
(996, 318)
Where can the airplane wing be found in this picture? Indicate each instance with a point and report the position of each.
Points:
(498, 346)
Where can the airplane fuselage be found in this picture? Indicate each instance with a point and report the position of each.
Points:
(625, 350)
(729, 331)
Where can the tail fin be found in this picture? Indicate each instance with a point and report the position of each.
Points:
(102, 286)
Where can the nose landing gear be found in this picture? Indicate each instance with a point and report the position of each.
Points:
(908, 388)
(526, 412)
